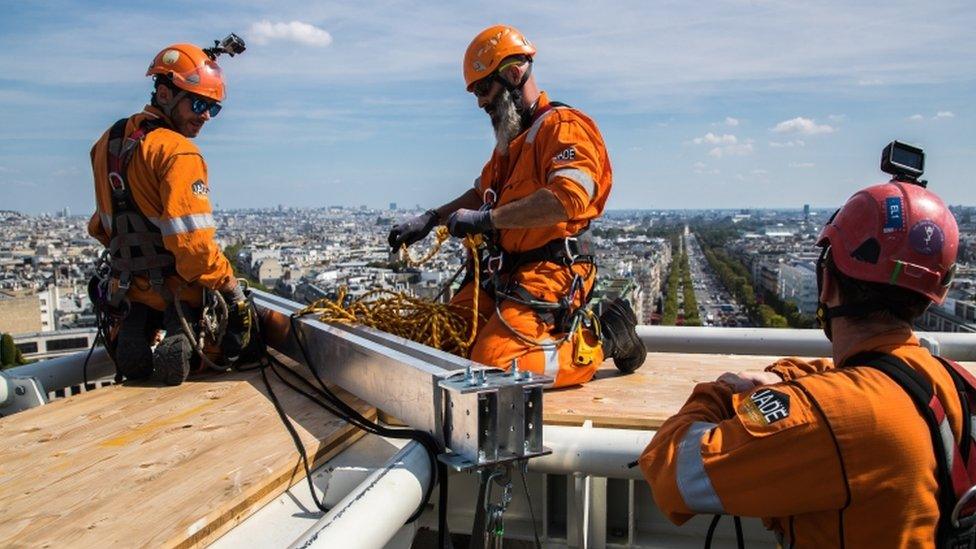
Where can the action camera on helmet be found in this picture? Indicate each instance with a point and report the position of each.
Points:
(231, 45)
(904, 162)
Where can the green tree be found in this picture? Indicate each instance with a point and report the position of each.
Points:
(10, 355)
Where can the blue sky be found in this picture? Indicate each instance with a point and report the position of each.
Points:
(702, 104)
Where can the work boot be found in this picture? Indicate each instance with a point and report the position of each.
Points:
(171, 359)
(618, 326)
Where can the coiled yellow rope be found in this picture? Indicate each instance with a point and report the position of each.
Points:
(434, 324)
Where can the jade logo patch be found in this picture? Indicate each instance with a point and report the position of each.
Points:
(766, 406)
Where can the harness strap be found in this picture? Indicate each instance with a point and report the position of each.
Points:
(953, 478)
(136, 245)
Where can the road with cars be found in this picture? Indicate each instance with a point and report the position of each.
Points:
(716, 306)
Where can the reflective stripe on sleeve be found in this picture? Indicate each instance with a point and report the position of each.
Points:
(693, 482)
(579, 177)
(534, 129)
(186, 224)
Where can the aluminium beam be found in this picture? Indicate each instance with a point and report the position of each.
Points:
(482, 415)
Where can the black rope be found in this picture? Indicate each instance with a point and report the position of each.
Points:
(328, 400)
(528, 498)
(736, 521)
(740, 543)
(294, 436)
(711, 531)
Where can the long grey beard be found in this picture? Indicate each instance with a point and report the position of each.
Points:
(507, 121)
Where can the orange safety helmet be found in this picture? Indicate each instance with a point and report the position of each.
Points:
(190, 69)
(489, 48)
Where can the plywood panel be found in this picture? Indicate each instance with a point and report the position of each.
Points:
(155, 466)
(644, 399)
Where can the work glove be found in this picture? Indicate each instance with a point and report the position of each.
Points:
(413, 230)
(464, 222)
(240, 336)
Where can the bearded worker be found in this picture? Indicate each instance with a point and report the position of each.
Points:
(548, 178)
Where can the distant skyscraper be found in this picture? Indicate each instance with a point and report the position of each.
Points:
(393, 206)
(806, 212)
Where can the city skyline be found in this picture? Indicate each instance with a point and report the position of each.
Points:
(740, 105)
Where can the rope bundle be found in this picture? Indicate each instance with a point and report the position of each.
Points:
(437, 325)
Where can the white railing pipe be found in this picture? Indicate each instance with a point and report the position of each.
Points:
(376, 509)
(779, 341)
(591, 451)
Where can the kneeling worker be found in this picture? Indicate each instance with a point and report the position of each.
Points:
(548, 178)
(838, 453)
(154, 216)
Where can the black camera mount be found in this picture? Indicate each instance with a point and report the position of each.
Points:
(231, 45)
(904, 162)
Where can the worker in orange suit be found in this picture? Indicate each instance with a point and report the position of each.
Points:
(154, 216)
(832, 453)
(548, 178)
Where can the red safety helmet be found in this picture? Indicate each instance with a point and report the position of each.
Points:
(895, 233)
(190, 69)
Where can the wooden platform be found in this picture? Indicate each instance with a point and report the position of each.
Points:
(644, 399)
(155, 466)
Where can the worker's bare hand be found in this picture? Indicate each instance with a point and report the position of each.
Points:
(744, 381)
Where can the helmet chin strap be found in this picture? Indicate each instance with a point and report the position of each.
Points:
(168, 107)
(825, 314)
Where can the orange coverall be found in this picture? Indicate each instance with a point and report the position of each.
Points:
(562, 151)
(831, 457)
(168, 179)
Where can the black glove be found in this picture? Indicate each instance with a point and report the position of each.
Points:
(413, 230)
(464, 222)
(241, 325)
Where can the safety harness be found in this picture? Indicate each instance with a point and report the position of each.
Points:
(136, 248)
(955, 463)
(500, 265)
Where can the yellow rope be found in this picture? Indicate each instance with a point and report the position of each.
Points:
(434, 324)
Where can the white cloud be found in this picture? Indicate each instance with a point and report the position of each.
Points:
(702, 169)
(916, 118)
(801, 164)
(803, 126)
(788, 144)
(729, 121)
(713, 139)
(734, 149)
(944, 114)
(265, 31)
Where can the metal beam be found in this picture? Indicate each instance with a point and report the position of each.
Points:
(481, 414)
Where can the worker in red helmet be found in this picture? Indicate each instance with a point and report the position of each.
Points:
(154, 216)
(834, 453)
(548, 178)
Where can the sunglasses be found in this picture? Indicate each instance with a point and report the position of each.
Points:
(482, 87)
(199, 105)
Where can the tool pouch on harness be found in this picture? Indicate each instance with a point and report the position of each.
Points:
(955, 463)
